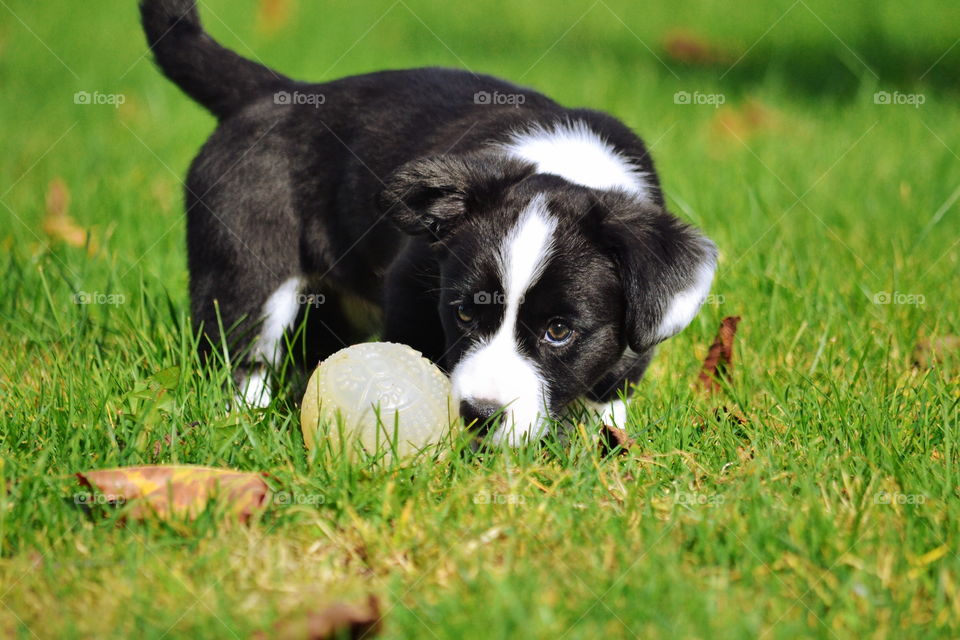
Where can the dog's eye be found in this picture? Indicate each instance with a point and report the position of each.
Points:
(558, 332)
(465, 313)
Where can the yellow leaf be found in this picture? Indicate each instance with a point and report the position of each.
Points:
(58, 224)
(273, 15)
(177, 490)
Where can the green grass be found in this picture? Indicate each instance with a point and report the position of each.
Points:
(833, 512)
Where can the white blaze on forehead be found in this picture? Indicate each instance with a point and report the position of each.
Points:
(525, 252)
(579, 154)
(494, 370)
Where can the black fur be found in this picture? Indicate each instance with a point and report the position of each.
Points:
(384, 189)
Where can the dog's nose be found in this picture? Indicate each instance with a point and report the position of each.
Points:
(480, 415)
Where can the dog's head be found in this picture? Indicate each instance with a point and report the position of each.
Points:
(545, 284)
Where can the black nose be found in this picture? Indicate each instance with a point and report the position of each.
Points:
(480, 415)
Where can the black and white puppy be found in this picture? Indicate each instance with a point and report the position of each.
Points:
(521, 245)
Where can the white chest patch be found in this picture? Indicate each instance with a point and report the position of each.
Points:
(579, 154)
(494, 371)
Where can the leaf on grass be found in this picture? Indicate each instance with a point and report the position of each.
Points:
(739, 123)
(273, 15)
(688, 47)
(58, 224)
(931, 351)
(723, 414)
(611, 438)
(159, 446)
(181, 491)
(339, 620)
(718, 364)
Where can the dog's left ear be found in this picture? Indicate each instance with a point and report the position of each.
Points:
(666, 268)
(433, 195)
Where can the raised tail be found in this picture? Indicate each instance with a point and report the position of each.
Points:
(216, 77)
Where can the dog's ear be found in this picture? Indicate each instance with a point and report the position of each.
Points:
(433, 195)
(666, 268)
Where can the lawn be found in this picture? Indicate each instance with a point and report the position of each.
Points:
(815, 142)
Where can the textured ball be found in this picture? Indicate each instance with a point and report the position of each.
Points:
(410, 392)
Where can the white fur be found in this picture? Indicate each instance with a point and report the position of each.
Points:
(685, 305)
(279, 313)
(494, 370)
(254, 389)
(612, 413)
(579, 154)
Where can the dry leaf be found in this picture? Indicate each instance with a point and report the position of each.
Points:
(931, 351)
(273, 15)
(151, 489)
(57, 223)
(687, 47)
(718, 364)
(741, 122)
(339, 620)
(160, 445)
(164, 443)
(612, 437)
(723, 414)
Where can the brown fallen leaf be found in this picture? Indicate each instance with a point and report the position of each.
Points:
(612, 437)
(718, 364)
(931, 351)
(177, 490)
(273, 15)
(740, 122)
(164, 443)
(688, 47)
(723, 414)
(339, 620)
(58, 224)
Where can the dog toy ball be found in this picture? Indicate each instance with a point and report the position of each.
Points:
(385, 397)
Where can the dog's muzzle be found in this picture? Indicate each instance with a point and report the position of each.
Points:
(481, 416)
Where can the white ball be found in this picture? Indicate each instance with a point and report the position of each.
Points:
(410, 392)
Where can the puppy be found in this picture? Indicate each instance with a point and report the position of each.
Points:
(522, 246)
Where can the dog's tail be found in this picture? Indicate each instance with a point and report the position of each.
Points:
(216, 77)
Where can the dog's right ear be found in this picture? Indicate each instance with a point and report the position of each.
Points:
(433, 195)
(666, 268)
